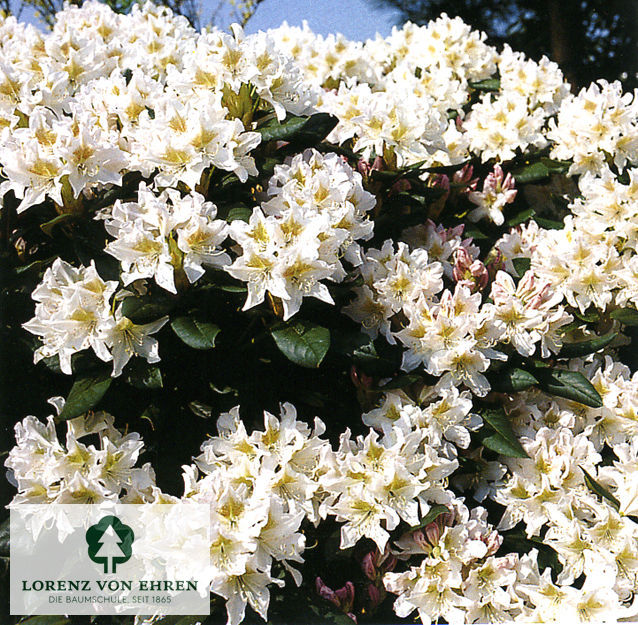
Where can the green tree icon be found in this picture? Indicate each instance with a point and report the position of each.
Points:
(110, 542)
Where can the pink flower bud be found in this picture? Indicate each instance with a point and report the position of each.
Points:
(464, 177)
(389, 564)
(325, 592)
(433, 533)
(440, 181)
(446, 519)
(364, 167)
(368, 566)
(421, 540)
(345, 597)
(400, 185)
(378, 164)
(360, 379)
(497, 264)
(375, 595)
(467, 272)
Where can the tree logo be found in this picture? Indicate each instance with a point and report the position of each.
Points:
(110, 542)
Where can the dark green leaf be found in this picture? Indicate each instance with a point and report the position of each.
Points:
(302, 342)
(547, 557)
(628, 316)
(46, 620)
(239, 212)
(514, 380)
(530, 173)
(474, 231)
(299, 130)
(569, 384)
(589, 316)
(401, 381)
(59, 220)
(521, 217)
(85, 393)
(195, 333)
(504, 441)
(489, 84)
(147, 307)
(36, 265)
(582, 348)
(501, 445)
(432, 515)
(549, 224)
(144, 376)
(521, 265)
(376, 359)
(556, 166)
(600, 490)
(317, 128)
(274, 130)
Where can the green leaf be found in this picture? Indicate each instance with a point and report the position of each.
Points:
(549, 224)
(239, 212)
(85, 393)
(628, 316)
(37, 265)
(46, 620)
(547, 557)
(376, 359)
(489, 84)
(521, 265)
(569, 384)
(521, 217)
(299, 130)
(147, 307)
(503, 446)
(316, 129)
(195, 333)
(514, 380)
(302, 342)
(401, 381)
(600, 490)
(556, 166)
(432, 515)
(59, 220)
(582, 348)
(589, 316)
(144, 376)
(530, 173)
(504, 441)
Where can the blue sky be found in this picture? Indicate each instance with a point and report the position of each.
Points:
(356, 19)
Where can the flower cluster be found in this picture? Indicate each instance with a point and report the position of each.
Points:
(592, 260)
(160, 235)
(316, 212)
(74, 312)
(260, 488)
(375, 483)
(44, 470)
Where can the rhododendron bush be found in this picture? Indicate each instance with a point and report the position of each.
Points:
(374, 302)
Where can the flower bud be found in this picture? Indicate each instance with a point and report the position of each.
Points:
(368, 566)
